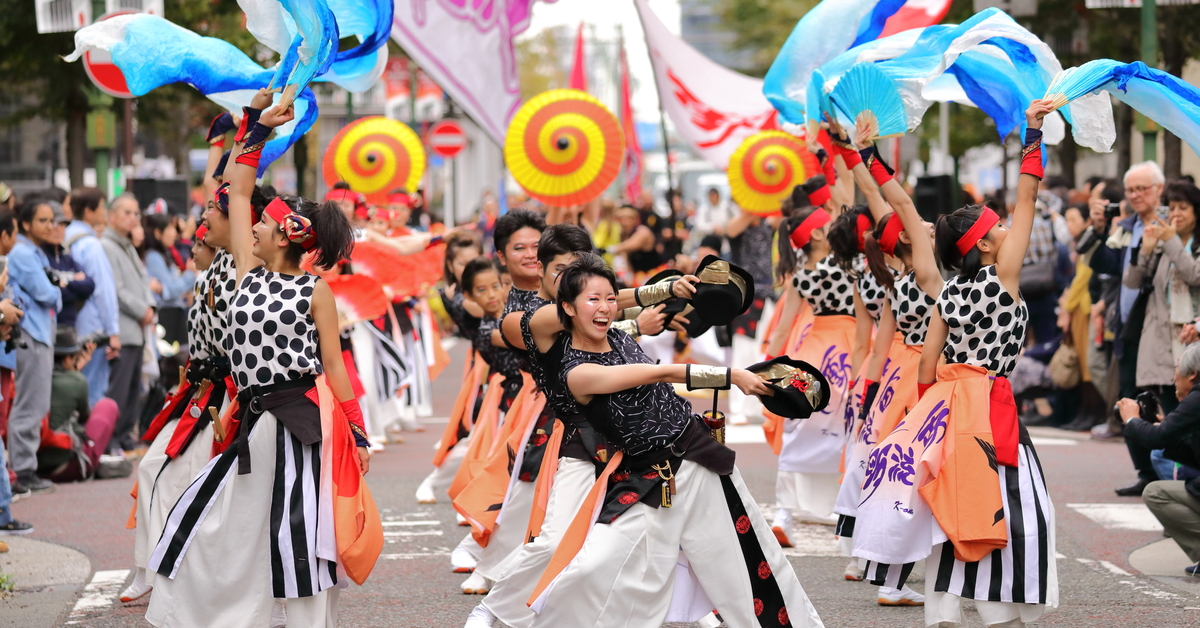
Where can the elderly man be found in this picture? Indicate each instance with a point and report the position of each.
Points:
(1143, 191)
(135, 304)
(1176, 503)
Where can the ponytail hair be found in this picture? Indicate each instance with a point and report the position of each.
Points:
(333, 233)
(787, 252)
(949, 230)
(843, 236)
(874, 253)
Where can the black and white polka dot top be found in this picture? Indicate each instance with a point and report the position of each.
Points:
(911, 308)
(214, 289)
(274, 338)
(197, 328)
(869, 290)
(828, 289)
(987, 325)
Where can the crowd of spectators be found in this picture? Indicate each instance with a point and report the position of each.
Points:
(93, 294)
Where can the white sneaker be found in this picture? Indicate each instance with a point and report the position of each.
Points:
(476, 584)
(137, 588)
(817, 519)
(899, 597)
(462, 561)
(738, 419)
(462, 521)
(709, 621)
(425, 494)
(854, 571)
(279, 614)
(480, 617)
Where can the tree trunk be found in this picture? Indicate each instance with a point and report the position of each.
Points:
(1173, 59)
(76, 143)
(300, 161)
(1124, 131)
(1068, 155)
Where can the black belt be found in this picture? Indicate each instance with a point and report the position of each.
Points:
(212, 369)
(303, 417)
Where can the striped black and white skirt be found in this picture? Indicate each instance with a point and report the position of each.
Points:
(234, 542)
(1022, 577)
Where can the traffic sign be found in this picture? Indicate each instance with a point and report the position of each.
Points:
(103, 72)
(446, 138)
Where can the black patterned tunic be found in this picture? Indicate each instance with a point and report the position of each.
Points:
(827, 288)
(987, 325)
(911, 308)
(637, 420)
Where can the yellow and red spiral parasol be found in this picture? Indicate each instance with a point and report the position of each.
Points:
(375, 155)
(763, 170)
(564, 147)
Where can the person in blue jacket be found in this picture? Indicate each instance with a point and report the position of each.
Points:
(68, 275)
(41, 300)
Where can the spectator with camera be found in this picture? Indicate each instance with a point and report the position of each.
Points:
(65, 272)
(1176, 503)
(98, 316)
(136, 308)
(1116, 255)
(172, 278)
(40, 300)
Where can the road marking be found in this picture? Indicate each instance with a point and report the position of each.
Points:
(1120, 516)
(99, 594)
(1141, 586)
(413, 533)
(753, 434)
(1044, 441)
(411, 523)
(412, 556)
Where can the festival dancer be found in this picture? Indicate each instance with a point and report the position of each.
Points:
(908, 304)
(575, 452)
(960, 467)
(461, 249)
(516, 236)
(181, 435)
(810, 457)
(673, 493)
(247, 530)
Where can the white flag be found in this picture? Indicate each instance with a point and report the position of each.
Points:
(467, 47)
(712, 107)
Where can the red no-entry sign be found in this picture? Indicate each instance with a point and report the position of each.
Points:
(100, 68)
(446, 138)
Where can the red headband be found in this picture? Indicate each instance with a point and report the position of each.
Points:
(400, 199)
(381, 213)
(803, 231)
(817, 197)
(891, 234)
(297, 228)
(983, 224)
(863, 226)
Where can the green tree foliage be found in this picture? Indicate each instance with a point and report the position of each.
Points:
(543, 61)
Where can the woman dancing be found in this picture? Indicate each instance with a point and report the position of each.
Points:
(958, 479)
(258, 523)
(673, 491)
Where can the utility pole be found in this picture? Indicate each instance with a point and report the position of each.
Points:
(1150, 58)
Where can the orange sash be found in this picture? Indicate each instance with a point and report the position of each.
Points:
(573, 539)
(482, 436)
(474, 372)
(356, 522)
(545, 481)
(964, 493)
(482, 498)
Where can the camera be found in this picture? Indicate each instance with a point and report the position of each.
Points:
(59, 278)
(1147, 407)
(100, 339)
(14, 339)
(1111, 211)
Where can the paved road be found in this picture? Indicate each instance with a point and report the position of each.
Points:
(413, 586)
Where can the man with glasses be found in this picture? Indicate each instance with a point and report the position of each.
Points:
(1143, 192)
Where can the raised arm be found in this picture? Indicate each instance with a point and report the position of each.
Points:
(1011, 255)
(589, 380)
(241, 180)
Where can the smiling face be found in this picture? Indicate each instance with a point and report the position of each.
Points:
(218, 226)
(550, 275)
(520, 256)
(489, 293)
(269, 241)
(593, 310)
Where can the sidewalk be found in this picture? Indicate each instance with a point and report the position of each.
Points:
(47, 579)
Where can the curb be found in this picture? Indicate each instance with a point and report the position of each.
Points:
(47, 578)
